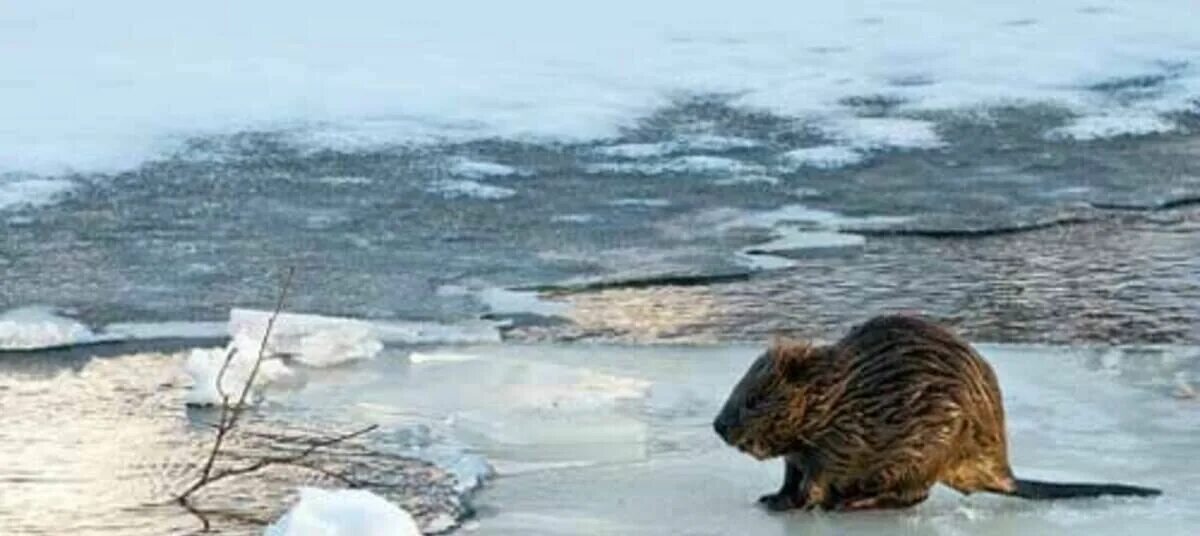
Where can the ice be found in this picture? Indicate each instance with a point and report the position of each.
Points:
(36, 327)
(673, 475)
(95, 86)
(313, 340)
(456, 188)
(420, 358)
(203, 366)
(167, 330)
(505, 301)
(343, 512)
(18, 191)
(291, 328)
(823, 157)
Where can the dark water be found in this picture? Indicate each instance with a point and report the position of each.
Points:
(189, 236)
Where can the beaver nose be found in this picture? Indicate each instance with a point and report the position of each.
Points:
(722, 428)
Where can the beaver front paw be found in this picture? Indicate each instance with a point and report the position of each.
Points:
(779, 502)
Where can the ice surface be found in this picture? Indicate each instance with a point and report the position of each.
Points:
(505, 301)
(34, 327)
(1065, 422)
(345, 512)
(291, 328)
(167, 330)
(105, 85)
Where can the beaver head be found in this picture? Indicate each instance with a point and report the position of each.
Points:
(767, 406)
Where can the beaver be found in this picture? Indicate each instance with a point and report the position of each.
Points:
(874, 420)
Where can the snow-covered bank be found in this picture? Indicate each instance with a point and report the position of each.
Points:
(91, 91)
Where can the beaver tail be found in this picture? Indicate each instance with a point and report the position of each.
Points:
(1037, 490)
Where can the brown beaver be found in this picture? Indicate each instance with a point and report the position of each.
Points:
(877, 418)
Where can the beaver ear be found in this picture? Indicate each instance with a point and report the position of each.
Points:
(791, 358)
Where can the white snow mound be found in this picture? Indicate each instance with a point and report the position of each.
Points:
(31, 328)
(343, 513)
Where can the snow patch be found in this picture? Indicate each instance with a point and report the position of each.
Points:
(83, 91)
(1092, 127)
(36, 327)
(685, 144)
(879, 133)
(474, 169)
(31, 191)
(574, 218)
(641, 202)
(823, 157)
(345, 512)
(683, 165)
(747, 179)
(345, 181)
(421, 358)
(458, 188)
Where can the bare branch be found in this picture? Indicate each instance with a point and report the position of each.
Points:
(231, 414)
(291, 459)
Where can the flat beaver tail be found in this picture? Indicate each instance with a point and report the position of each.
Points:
(1038, 490)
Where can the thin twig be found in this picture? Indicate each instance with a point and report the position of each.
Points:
(229, 416)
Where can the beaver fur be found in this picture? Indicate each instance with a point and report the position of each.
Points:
(877, 418)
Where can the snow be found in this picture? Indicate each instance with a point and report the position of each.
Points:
(685, 144)
(641, 202)
(420, 358)
(347, 512)
(876, 133)
(823, 157)
(104, 86)
(1092, 127)
(18, 191)
(738, 180)
(682, 165)
(457, 188)
(37, 327)
(474, 169)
